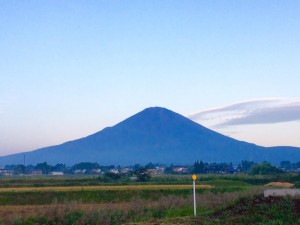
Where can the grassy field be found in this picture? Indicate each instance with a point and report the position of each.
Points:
(167, 199)
(92, 180)
(103, 188)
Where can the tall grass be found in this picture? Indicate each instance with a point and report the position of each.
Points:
(136, 209)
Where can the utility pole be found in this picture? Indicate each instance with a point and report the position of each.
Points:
(194, 177)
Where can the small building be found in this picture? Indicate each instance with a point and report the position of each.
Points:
(58, 173)
(180, 170)
(78, 171)
(282, 192)
(126, 170)
(115, 171)
(5, 172)
(156, 171)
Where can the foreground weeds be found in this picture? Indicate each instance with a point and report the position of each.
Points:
(135, 210)
(247, 210)
(77, 213)
(260, 210)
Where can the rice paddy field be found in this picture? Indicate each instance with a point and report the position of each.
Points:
(221, 199)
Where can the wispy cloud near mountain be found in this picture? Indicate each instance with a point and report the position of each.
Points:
(258, 111)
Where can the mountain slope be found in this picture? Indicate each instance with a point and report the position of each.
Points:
(156, 135)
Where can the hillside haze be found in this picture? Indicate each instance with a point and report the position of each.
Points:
(154, 135)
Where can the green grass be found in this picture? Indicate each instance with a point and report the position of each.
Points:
(88, 180)
(49, 181)
(233, 200)
(85, 196)
(254, 210)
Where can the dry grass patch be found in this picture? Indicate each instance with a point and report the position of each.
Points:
(280, 184)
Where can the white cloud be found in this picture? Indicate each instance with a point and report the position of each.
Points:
(257, 111)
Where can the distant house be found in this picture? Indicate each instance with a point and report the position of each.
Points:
(5, 172)
(57, 173)
(115, 171)
(156, 171)
(78, 171)
(160, 170)
(126, 170)
(180, 170)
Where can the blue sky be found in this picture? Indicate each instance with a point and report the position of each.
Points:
(70, 68)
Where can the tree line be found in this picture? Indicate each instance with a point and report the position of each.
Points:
(200, 167)
(249, 167)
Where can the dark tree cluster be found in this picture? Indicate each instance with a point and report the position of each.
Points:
(45, 168)
(265, 168)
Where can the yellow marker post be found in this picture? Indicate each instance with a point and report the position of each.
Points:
(194, 177)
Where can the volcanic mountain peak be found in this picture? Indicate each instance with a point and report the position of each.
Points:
(152, 115)
(157, 118)
(155, 134)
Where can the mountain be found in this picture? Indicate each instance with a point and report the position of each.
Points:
(154, 135)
